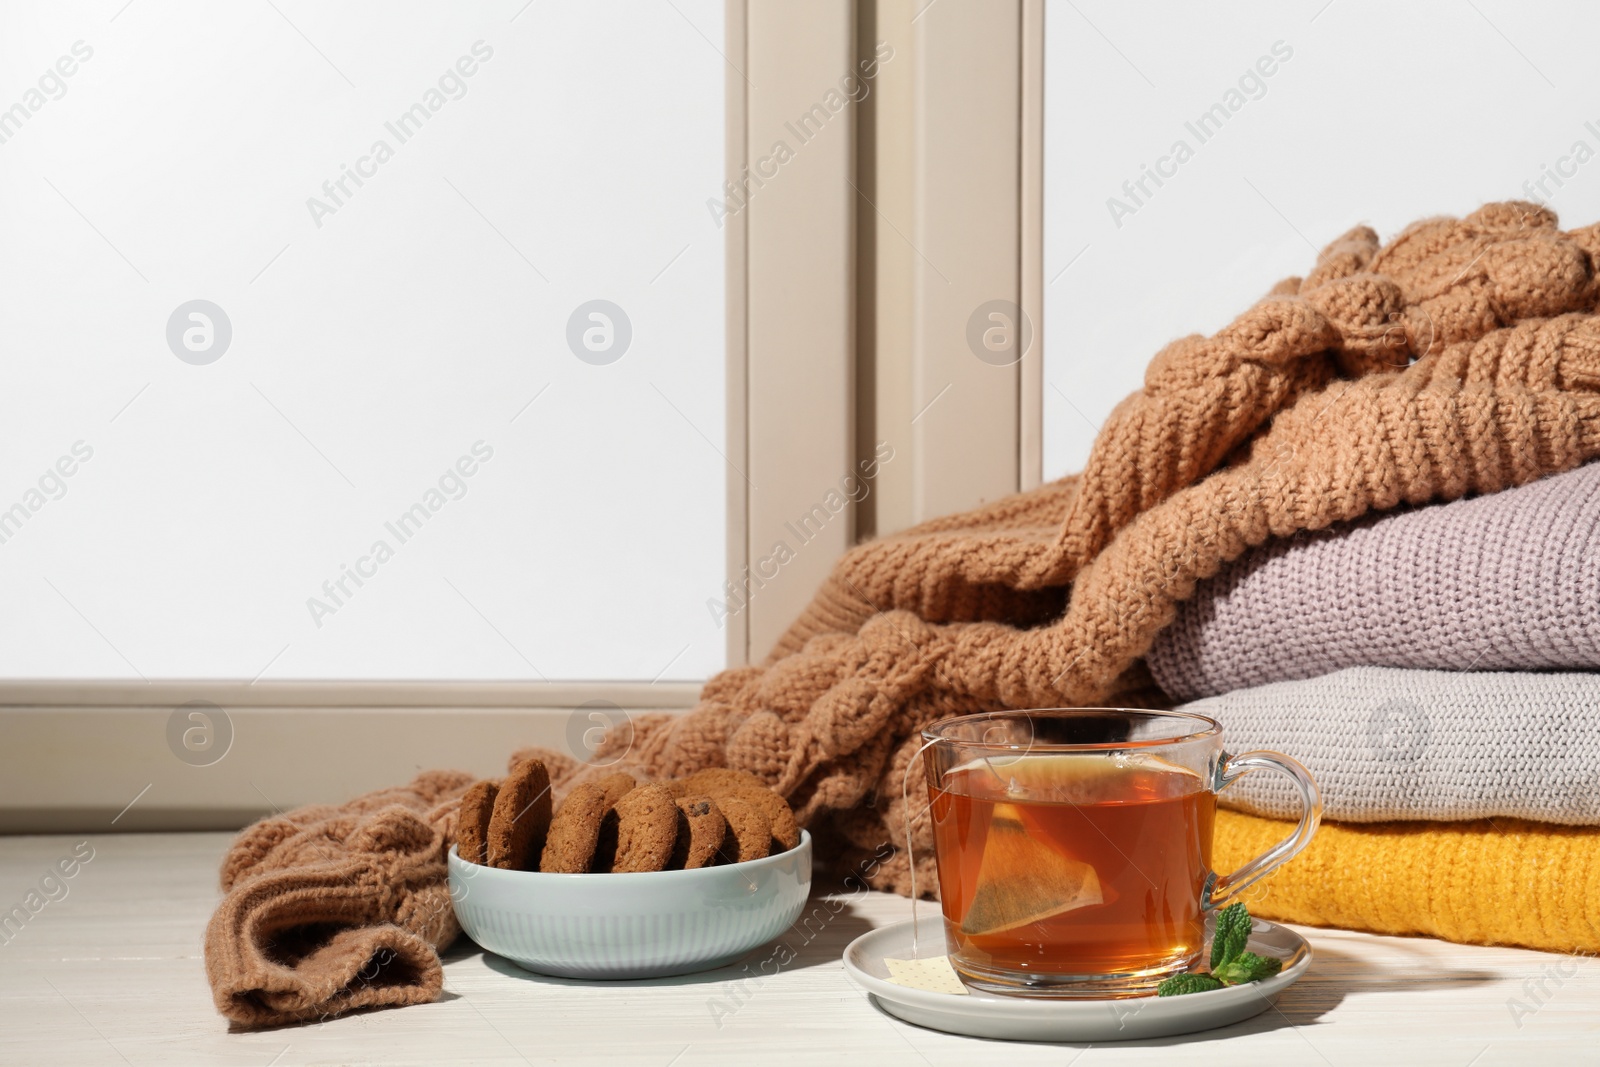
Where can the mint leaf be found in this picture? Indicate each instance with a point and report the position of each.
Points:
(1231, 964)
(1180, 984)
(1248, 968)
(1232, 933)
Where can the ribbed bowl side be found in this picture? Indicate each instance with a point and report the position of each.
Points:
(631, 925)
(622, 946)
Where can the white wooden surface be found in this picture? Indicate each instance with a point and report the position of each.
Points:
(112, 973)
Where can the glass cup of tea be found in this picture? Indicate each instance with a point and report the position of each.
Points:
(1074, 845)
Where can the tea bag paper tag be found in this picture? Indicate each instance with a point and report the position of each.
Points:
(935, 975)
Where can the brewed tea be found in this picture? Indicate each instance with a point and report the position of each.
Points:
(1069, 864)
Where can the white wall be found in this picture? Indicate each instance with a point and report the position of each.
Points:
(371, 348)
(1382, 113)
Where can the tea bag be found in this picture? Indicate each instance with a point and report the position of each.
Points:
(1023, 880)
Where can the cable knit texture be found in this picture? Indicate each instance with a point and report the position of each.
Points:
(328, 909)
(1460, 359)
(1509, 581)
(1390, 744)
(1488, 882)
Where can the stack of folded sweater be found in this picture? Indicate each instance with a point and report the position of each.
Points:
(1433, 668)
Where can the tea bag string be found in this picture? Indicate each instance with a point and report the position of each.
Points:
(911, 855)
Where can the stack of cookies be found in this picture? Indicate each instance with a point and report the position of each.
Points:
(619, 824)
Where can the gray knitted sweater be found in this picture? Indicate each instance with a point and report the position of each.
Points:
(1509, 581)
(1388, 744)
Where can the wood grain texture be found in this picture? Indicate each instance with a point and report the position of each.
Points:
(112, 973)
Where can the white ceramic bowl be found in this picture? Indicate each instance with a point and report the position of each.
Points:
(631, 925)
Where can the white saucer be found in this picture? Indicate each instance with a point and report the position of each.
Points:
(1040, 1019)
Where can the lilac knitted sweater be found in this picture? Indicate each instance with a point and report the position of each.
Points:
(1504, 582)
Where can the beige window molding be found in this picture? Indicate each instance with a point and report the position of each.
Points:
(173, 755)
(949, 361)
(799, 151)
(362, 694)
(1030, 135)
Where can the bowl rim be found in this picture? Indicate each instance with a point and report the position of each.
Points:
(623, 878)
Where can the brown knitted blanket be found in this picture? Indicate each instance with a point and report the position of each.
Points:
(328, 909)
(1461, 358)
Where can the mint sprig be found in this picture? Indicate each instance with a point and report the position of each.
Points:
(1231, 964)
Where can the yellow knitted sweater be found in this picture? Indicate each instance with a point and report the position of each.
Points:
(1489, 882)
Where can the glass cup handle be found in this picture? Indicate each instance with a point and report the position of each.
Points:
(1220, 889)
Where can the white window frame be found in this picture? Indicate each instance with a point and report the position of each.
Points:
(851, 273)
